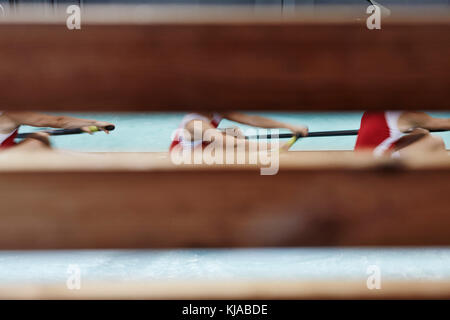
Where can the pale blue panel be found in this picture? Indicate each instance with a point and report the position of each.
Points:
(431, 264)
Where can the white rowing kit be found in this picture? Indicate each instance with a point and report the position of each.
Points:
(190, 144)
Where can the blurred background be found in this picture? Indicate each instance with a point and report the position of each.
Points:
(288, 5)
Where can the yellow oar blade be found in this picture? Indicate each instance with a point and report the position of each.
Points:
(289, 144)
(94, 129)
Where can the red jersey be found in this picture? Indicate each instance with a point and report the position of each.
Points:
(7, 140)
(378, 132)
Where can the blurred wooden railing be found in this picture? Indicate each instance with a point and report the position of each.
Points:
(232, 289)
(176, 62)
(63, 202)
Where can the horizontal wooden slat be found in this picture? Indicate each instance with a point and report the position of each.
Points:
(62, 161)
(291, 65)
(152, 207)
(246, 290)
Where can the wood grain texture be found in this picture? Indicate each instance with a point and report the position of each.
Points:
(225, 66)
(224, 208)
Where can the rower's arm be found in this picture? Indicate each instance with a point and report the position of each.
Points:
(410, 120)
(43, 120)
(262, 122)
(210, 134)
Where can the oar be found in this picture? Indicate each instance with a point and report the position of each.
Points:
(291, 142)
(317, 134)
(63, 132)
(310, 134)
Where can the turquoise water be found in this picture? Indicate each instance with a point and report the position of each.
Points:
(144, 132)
(430, 264)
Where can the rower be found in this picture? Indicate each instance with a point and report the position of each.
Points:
(400, 133)
(212, 120)
(11, 121)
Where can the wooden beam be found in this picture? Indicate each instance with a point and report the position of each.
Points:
(245, 290)
(161, 207)
(291, 65)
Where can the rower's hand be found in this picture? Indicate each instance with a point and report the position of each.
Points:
(235, 132)
(101, 125)
(299, 130)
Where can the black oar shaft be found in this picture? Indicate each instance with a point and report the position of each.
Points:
(336, 133)
(61, 132)
(311, 134)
